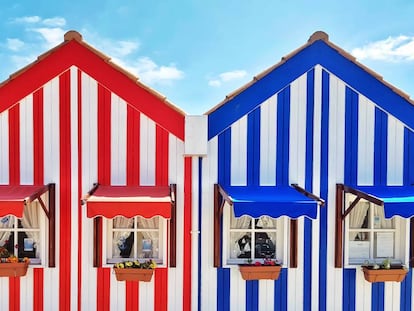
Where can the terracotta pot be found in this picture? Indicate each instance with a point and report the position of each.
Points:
(384, 275)
(127, 274)
(252, 272)
(14, 269)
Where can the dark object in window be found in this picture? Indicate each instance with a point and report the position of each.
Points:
(264, 247)
(126, 246)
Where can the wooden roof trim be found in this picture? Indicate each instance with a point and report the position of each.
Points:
(74, 35)
(318, 35)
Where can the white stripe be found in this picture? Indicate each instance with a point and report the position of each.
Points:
(4, 147)
(26, 141)
(366, 129)
(238, 163)
(118, 140)
(147, 151)
(395, 152)
(268, 143)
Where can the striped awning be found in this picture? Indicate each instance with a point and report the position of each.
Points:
(129, 201)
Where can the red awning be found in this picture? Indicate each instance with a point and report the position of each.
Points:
(145, 201)
(14, 198)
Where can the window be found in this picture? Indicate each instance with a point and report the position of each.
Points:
(136, 238)
(253, 238)
(24, 237)
(371, 237)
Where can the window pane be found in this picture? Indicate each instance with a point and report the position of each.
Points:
(148, 223)
(359, 246)
(384, 244)
(148, 244)
(265, 222)
(240, 243)
(121, 222)
(265, 246)
(244, 222)
(123, 242)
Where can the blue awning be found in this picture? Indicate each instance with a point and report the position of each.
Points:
(397, 200)
(273, 201)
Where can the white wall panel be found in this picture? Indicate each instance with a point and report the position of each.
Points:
(395, 152)
(118, 140)
(366, 125)
(268, 134)
(147, 151)
(26, 141)
(4, 147)
(238, 163)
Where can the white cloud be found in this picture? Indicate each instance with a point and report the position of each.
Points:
(54, 22)
(27, 19)
(124, 48)
(14, 44)
(392, 49)
(52, 36)
(151, 73)
(227, 77)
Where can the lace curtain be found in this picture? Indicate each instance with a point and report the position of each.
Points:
(119, 237)
(151, 223)
(357, 217)
(6, 222)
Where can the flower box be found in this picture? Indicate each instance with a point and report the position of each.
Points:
(394, 274)
(13, 269)
(144, 275)
(263, 272)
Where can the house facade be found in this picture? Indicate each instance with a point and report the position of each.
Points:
(308, 169)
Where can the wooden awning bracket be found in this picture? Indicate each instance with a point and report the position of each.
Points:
(308, 194)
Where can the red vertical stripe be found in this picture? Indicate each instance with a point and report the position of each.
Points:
(14, 178)
(161, 157)
(187, 234)
(65, 191)
(133, 146)
(38, 162)
(104, 177)
(38, 284)
(79, 75)
(161, 178)
(14, 145)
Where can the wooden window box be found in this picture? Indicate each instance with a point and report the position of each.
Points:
(13, 269)
(252, 272)
(127, 274)
(394, 274)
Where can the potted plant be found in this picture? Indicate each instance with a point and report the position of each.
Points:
(267, 270)
(11, 266)
(385, 272)
(134, 270)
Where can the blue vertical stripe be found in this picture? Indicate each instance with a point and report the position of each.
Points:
(223, 289)
(380, 178)
(223, 274)
(281, 291)
(350, 178)
(252, 295)
(253, 148)
(380, 147)
(307, 246)
(406, 287)
(323, 224)
(282, 145)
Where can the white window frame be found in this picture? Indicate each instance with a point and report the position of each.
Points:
(281, 239)
(401, 237)
(42, 246)
(108, 259)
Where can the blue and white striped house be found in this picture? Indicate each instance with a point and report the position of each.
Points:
(316, 156)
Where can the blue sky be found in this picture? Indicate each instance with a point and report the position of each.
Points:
(197, 52)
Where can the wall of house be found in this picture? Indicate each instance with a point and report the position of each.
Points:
(317, 132)
(74, 132)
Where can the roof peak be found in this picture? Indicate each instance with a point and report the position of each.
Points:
(72, 35)
(318, 35)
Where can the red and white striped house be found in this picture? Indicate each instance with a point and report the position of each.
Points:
(74, 128)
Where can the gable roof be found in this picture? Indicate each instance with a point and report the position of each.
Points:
(317, 51)
(75, 52)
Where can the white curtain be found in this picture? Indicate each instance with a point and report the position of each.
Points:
(239, 223)
(5, 223)
(120, 222)
(30, 220)
(357, 217)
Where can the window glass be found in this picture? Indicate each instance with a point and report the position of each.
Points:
(135, 238)
(371, 237)
(22, 237)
